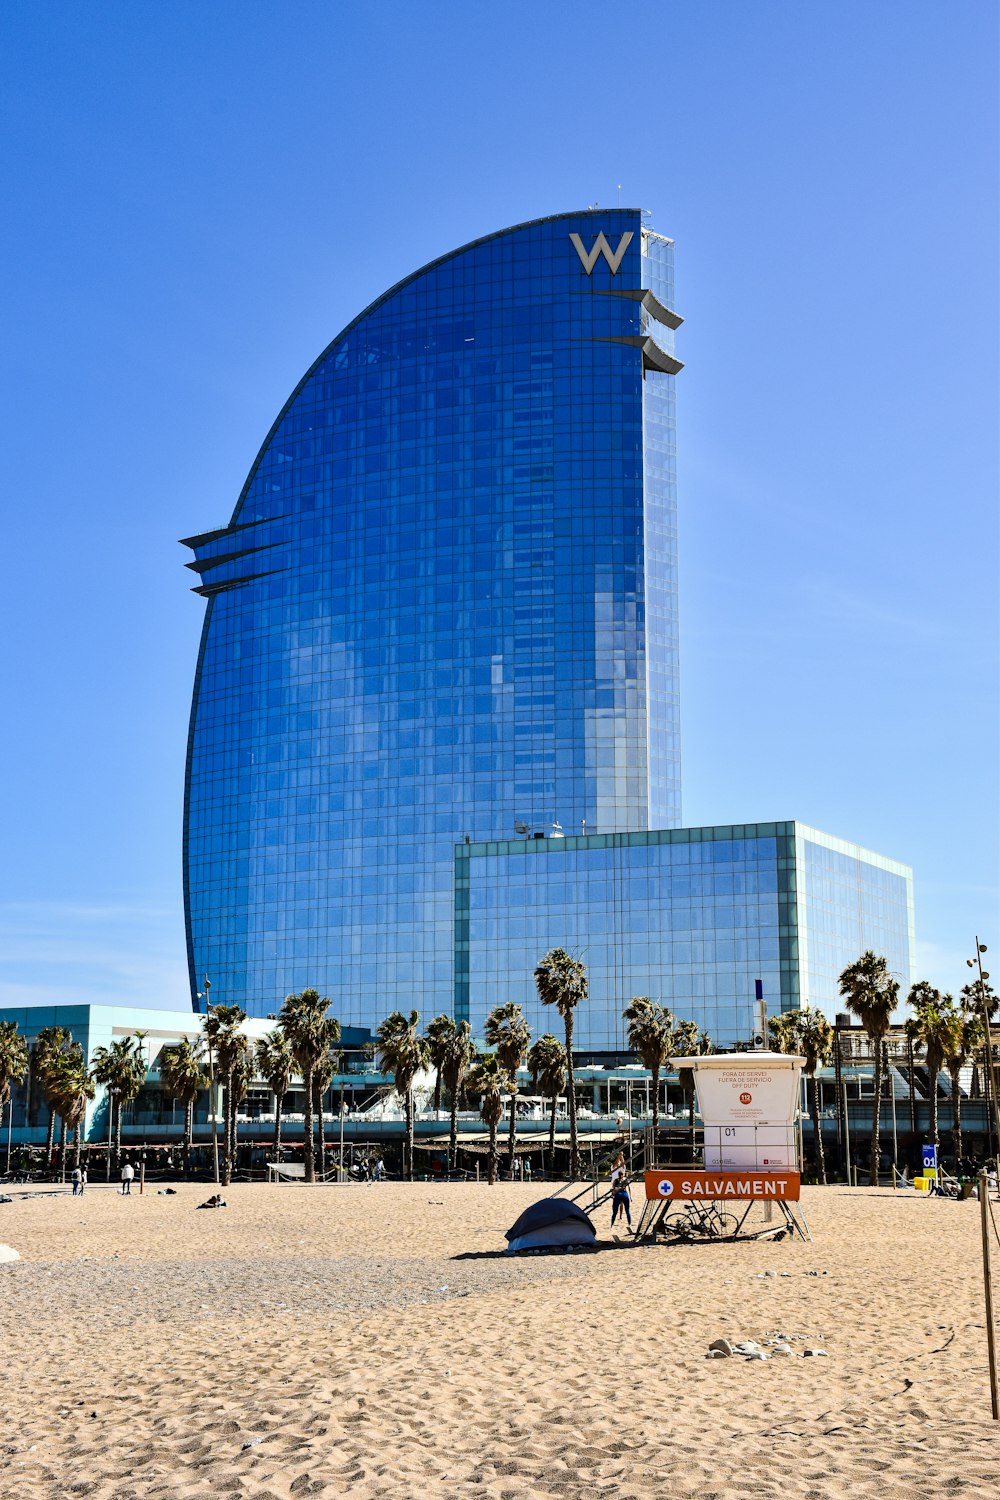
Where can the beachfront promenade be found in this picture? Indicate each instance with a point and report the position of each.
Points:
(375, 1341)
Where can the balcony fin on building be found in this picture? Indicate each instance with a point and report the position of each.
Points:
(202, 564)
(653, 357)
(245, 541)
(207, 590)
(206, 537)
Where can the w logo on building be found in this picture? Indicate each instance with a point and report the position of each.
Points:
(601, 247)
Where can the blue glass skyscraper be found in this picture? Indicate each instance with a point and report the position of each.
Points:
(445, 608)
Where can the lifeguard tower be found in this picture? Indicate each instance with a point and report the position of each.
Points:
(749, 1103)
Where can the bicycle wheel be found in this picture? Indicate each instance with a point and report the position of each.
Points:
(724, 1226)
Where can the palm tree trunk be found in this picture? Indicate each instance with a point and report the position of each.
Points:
(408, 1163)
(118, 1102)
(956, 1115)
(875, 1146)
(322, 1136)
(234, 1105)
(310, 1168)
(493, 1153)
(276, 1147)
(818, 1133)
(62, 1149)
(437, 1090)
(50, 1138)
(511, 1137)
(552, 1134)
(453, 1133)
(76, 1144)
(655, 1070)
(188, 1136)
(227, 1160)
(574, 1148)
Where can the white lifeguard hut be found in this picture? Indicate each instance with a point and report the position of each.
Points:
(749, 1103)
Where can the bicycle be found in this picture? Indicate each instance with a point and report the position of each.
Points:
(703, 1221)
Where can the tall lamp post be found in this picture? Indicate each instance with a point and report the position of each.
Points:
(206, 995)
(983, 976)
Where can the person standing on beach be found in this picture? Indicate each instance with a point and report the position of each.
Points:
(77, 1185)
(621, 1201)
(83, 1180)
(128, 1172)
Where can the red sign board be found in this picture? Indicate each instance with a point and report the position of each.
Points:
(725, 1182)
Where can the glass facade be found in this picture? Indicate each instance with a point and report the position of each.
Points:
(691, 917)
(850, 900)
(445, 605)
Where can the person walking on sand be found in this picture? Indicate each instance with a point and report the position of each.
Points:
(83, 1180)
(77, 1184)
(128, 1173)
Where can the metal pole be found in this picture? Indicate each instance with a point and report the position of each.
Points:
(342, 1174)
(980, 947)
(991, 1337)
(838, 1090)
(847, 1134)
(211, 1100)
(895, 1154)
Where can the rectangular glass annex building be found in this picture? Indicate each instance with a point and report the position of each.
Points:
(690, 917)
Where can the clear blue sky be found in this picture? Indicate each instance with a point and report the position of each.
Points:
(197, 197)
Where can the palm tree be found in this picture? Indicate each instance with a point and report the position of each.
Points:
(490, 1081)
(966, 1039)
(183, 1078)
(121, 1069)
(808, 1033)
(454, 1068)
(508, 1033)
(871, 993)
(562, 981)
(686, 1042)
(402, 1053)
(651, 1038)
(67, 1080)
(440, 1035)
(222, 1028)
(74, 1088)
(323, 1071)
(933, 1026)
(274, 1065)
(310, 1033)
(241, 1079)
(547, 1066)
(50, 1041)
(13, 1069)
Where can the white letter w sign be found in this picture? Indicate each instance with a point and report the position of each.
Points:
(601, 247)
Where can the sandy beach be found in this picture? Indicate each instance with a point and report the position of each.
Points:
(374, 1340)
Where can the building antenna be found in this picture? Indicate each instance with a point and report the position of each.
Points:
(619, 195)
